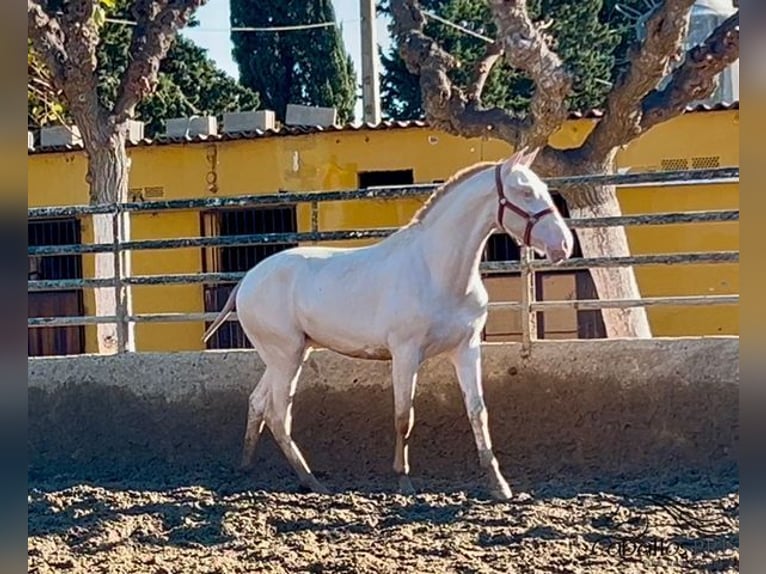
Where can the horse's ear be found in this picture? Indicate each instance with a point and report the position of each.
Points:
(517, 157)
(529, 158)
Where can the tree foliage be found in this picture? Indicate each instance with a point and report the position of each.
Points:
(591, 36)
(309, 67)
(189, 82)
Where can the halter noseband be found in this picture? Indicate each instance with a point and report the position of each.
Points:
(504, 202)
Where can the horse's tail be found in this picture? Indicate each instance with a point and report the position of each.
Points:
(223, 315)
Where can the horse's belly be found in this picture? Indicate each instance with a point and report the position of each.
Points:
(346, 318)
(375, 353)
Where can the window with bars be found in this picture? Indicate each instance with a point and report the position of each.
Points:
(45, 341)
(233, 222)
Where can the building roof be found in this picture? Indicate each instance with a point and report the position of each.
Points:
(285, 131)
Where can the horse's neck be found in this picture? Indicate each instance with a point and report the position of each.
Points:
(454, 232)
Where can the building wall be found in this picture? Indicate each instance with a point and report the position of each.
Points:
(333, 160)
(687, 137)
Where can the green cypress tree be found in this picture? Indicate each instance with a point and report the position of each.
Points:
(309, 67)
(592, 38)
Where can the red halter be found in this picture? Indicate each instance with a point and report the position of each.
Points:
(504, 202)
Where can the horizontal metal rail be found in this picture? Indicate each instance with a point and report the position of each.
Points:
(589, 262)
(68, 321)
(702, 176)
(486, 267)
(219, 241)
(579, 305)
(375, 233)
(141, 318)
(597, 304)
(656, 219)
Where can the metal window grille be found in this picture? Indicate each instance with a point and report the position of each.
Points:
(232, 222)
(55, 340)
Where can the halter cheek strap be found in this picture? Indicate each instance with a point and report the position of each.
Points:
(504, 203)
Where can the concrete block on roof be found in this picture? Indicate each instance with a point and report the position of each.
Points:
(59, 136)
(135, 131)
(234, 122)
(192, 126)
(298, 115)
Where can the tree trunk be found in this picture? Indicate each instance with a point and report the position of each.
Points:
(611, 282)
(108, 167)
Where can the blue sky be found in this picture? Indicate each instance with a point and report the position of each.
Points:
(212, 34)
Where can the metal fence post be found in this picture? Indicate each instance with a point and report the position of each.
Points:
(315, 220)
(528, 316)
(121, 311)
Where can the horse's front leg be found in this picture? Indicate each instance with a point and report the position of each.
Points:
(467, 362)
(404, 370)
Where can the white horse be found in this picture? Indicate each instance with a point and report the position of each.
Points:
(414, 295)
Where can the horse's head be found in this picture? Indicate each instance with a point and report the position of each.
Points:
(526, 210)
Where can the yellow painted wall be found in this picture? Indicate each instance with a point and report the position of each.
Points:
(704, 135)
(167, 298)
(332, 160)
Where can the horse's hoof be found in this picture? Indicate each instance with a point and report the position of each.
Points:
(405, 486)
(502, 495)
(499, 488)
(321, 489)
(316, 487)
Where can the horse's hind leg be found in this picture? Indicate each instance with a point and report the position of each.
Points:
(404, 370)
(279, 418)
(258, 403)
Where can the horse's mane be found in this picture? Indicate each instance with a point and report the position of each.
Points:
(446, 187)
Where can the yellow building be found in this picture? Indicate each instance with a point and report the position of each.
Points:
(313, 159)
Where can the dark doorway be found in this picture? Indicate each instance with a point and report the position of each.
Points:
(46, 341)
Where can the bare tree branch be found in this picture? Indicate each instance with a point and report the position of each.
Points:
(482, 70)
(157, 22)
(446, 105)
(48, 41)
(697, 77)
(526, 47)
(649, 63)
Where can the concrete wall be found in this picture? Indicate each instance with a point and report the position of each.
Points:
(575, 408)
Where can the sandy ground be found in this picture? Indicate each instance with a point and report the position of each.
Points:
(224, 522)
